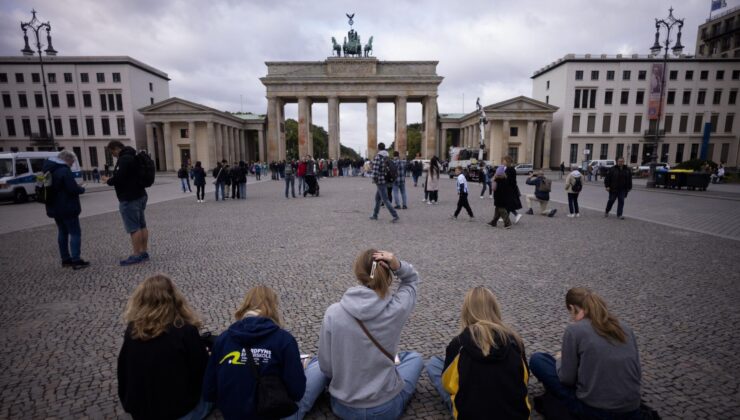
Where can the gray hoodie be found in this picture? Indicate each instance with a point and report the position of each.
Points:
(361, 375)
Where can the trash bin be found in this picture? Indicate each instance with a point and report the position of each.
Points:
(676, 179)
(660, 178)
(697, 180)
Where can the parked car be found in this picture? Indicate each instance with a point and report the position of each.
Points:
(524, 168)
(643, 170)
(18, 172)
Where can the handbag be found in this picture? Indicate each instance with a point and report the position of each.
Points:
(273, 401)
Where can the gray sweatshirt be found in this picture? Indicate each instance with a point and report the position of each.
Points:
(606, 375)
(361, 375)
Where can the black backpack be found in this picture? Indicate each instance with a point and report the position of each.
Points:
(577, 186)
(147, 168)
(391, 172)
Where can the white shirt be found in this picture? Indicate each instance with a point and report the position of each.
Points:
(461, 180)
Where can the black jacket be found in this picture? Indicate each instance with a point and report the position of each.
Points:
(503, 196)
(127, 176)
(516, 202)
(199, 177)
(618, 179)
(65, 202)
(161, 378)
(220, 173)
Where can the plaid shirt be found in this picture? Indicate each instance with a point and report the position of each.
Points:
(378, 169)
(401, 170)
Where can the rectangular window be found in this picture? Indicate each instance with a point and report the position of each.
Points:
(100, 77)
(594, 75)
(626, 74)
(683, 123)
(673, 75)
(52, 77)
(38, 99)
(701, 97)
(679, 153)
(668, 123)
(116, 77)
(579, 74)
(184, 133)
(22, 100)
(637, 126)
(58, 128)
(732, 97)
(547, 100)
(19, 77)
(575, 126)
(42, 127)
(574, 153)
(664, 152)
(90, 126)
(78, 153)
(729, 119)
(108, 156)
(548, 85)
(604, 151)
(622, 123)
(70, 100)
(93, 156)
(625, 97)
(84, 78)
(103, 102)
(698, 118)
(3, 77)
(689, 75)
(592, 98)
(577, 101)
(720, 74)
(119, 102)
(620, 151)
(151, 87)
(736, 73)
(67, 77)
(55, 100)
(74, 130)
(591, 123)
(606, 123)
(105, 122)
(122, 126)
(641, 75)
(703, 75)
(717, 97)
(10, 123)
(7, 103)
(725, 152)
(640, 98)
(635, 152)
(35, 77)
(713, 121)
(513, 131)
(26, 123)
(111, 103)
(686, 97)
(671, 99)
(610, 75)
(608, 97)
(694, 151)
(590, 149)
(86, 100)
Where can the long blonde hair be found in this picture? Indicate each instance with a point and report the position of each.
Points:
(594, 308)
(382, 279)
(155, 305)
(263, 300)
(481, 314)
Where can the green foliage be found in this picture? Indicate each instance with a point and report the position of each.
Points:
(695, 164)
(320, 142)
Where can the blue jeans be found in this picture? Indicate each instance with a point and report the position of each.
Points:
(316, 383)
(243, 190)
(382, 194)
(399, 187)
(290, 181)
(618, 195)
(69, 235)
(435, 368)
(219, 187)
(185, 182)
(301, 185)
(201, 411)
(410, 370)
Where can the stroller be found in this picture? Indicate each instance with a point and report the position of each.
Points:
(313, 186)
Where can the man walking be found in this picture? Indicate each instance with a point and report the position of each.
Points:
(399, 185)
(542, 188)
(379, 173)
(462, 193)
(132, 198)
(618, 183)
(63, 205)
(289, 178)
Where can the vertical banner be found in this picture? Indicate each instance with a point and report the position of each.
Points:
(656, 86)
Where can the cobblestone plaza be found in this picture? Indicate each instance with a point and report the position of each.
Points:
(677, 288)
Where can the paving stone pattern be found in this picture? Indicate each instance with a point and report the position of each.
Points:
(62, 329)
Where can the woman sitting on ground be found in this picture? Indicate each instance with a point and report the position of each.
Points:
(161, 364)
(229, 380)
(598, 375)
(484, 374)
(359, 338)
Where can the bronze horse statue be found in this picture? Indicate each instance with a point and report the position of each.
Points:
(369, 47)
(336, 48)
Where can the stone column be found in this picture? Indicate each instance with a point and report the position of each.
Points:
(224, 143)
(372, 126)
(547, 145)
(505, 139)
(160, 148)
(273, 132)
(149, 140)
(304, 126)
(401, 122)
(333, 127)
(219, 143)
(193, 143)
(211, 139)
(491, 144)
(430, 123)
(529, 145)
(261, 144)
(169, 158)
(242, 145)
(442, 143)
(233, 144)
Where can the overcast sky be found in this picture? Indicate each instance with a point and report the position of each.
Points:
(214, 51)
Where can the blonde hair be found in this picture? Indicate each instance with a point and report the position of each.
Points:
(382, 279)
(155, 305)
(260, 299)
(594, 308)
(481, 314)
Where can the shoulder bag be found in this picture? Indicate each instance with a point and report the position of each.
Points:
(272, 399)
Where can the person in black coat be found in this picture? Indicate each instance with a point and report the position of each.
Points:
(63, 205)
(618, 183)
(235, 174)
(199, 180)
(515, 203)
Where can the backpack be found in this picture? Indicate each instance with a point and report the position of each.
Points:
(391, 172)
(147, 169)
(545, 185)
(44, 191)
(577, 186)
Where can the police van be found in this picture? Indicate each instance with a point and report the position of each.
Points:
(18, 173)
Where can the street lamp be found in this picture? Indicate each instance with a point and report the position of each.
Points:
(667, 23)
(35, 26)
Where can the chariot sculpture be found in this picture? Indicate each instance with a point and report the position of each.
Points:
(352, 45)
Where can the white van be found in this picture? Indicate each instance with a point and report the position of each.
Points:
(18, 173)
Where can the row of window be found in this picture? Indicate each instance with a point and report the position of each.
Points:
(586, 97)
(52, 77)
(634, 152)
(637, 123)
(74, 129)
(109, 100)
(672, 75)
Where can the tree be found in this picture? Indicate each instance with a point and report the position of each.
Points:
(413, 140)
(320, 142)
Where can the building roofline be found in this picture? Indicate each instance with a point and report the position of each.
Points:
(100, 59)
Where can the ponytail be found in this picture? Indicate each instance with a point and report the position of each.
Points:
(594, 308)
(382, 278)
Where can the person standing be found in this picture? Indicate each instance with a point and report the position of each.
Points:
(235, 175)
(199, 180)
(417, 169)
(63, 205)
(242, 180)
(300, 174)
(485, 179)
(573, 186)
(515, 203)
(182, 174)
(597, 168)
(432, 181)
(462, 194)
(289, 178)
(227, 178)
(257, 170)
(378, 173)
(399, 185)
(220, 175)
(618, 183)
(562, 169)
(502, 197)
(541, 194)
(132, 199)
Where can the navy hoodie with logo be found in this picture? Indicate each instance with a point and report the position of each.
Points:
(229, 381)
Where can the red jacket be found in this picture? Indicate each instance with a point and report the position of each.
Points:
(301, 169)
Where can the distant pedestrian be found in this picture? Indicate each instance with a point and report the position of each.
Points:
(301, 174)
(462, 194)
(289, 178)
(96, 175)
(63, 205)
(199, 180)
(541, 194)
(562, 169)
(182, 174)
(486, 179)
(514, 203)
(432, 180)
(399, 185)
(241, 181)
(597, 168)
(257, 170)
(227, 177)
(573, 187)
(219, 174)
(618, 183)
(590, 172)
(379, 171)
(235, 177)
(502, 197)
(418, 167)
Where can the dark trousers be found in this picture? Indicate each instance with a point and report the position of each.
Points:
(200, 192)
(433, 195)
(289, 183)
(501, 213)
(258, 175)
(573, 203)
(69, 237)
(234, 190)
(618, 195)
(490, 189)
(462, 202)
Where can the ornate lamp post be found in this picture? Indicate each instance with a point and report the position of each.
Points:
(668, 24)
(35, 26)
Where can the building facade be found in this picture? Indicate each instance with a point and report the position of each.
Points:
(93, 100)
(603, 108)
(719, 36)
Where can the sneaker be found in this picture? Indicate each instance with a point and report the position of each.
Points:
(131, 260)
(552, 212)
(405, 208)
(76, 265)
(144, 256)
(397, 207)
(530, 211)
(620, 217)
(472, 219)
(481, 197)
(516, 218)
(429, 202)
(606, 214)
(507, 226)
(453, 217)
(578, 214)
(395, 219)
(424, 200)
(435, 203)
(491, 223)
(571, 215)
(373, 217)
(491, 197)
(67, 263)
